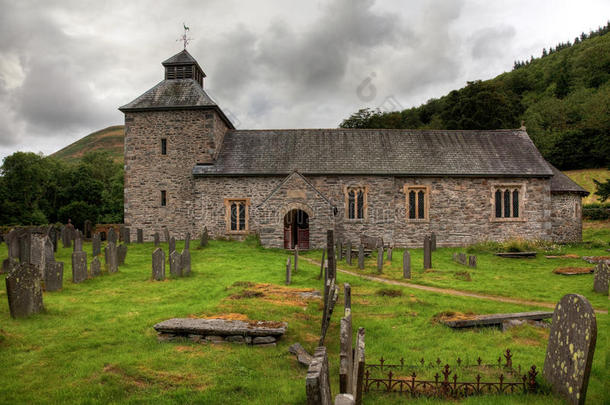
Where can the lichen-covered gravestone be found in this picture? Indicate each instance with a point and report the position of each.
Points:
(203, 242)
(112, 258)
(317, 383)
(96, 267)
(24, 290)
(175, 264)
(127, 235)
(166, 234)
(54, 276)
(348, 252)
(380, 259)
(187, 241)
(79, 267)
(601, 278)
(111, 236)
(78, 244)
(172, 245)
(139, 235)
(185, 262)
(406, 264)
(122, 253)
(361, 257)
(158, 264)
(96, 245)
(569, 353)
(157, 239)
(427, 253)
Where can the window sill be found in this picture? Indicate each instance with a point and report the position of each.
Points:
(355, 220)
(237, 232)
(416, 221)
(518, 219)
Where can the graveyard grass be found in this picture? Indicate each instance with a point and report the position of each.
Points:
(95, 342)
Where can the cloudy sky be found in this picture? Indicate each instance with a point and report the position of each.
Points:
(66, 66)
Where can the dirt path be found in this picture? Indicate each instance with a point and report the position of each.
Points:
(449, 291)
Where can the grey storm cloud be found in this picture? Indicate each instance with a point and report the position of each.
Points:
(491, 41)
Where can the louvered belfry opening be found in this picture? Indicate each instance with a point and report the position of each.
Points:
(183, 66)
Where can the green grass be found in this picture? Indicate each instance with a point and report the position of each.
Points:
(108, 139)
(95, 343)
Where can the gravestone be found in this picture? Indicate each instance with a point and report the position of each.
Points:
(157, 239)
(344, 399)
(37, 252)
(166, 234)
(139, 235)
(78, 244)
(380, 259)
(111, 236)
(296, 258)
(389, 254)
(88, 228)
(175, 264)
(358, 372)
(433, 242)
(96, 267)
(186, 262)
(25, 247)
(48, 254)
(348, 253)
(322, 264)
(361, 257)
(112, 259)
(345, 353)
(66, 240)
(569, 353)
(79, 266)
(288, 271)
(203, 241)
(122, 233)
(317, 383)
(122, 253)
(23, 290)
(53, 233)
(96, 244)
(339, 250)
(462, 258)
(600, 279)
(330, 253)
(127, 235)
(427, 253)
(187, 241)
(472, 261)
(172, 245)
(158, 264)
(54, 276)
(406, 264)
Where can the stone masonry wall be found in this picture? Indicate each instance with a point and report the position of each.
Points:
(192, 137)
(566, 217)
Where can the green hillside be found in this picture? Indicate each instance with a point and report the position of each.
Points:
(108, 139)
(563, 98)
(584, 178)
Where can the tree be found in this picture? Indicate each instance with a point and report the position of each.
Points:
(602, 190)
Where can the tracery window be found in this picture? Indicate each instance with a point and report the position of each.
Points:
(237, 215)
(507, 201)
(355, 201)
(417, 202)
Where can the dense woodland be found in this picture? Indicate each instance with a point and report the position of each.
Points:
(563, 98)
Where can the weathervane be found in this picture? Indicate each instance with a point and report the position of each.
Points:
(184, 38)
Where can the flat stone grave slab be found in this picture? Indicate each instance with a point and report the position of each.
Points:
(573, 271)
(222, 330)
(496, 319)
(517, 255)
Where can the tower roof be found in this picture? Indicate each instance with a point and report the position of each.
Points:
(182, 58)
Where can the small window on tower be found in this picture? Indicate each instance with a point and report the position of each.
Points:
(163, 198)
(164, 146)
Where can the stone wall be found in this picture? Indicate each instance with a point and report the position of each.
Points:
(193, 136)
(566, 217)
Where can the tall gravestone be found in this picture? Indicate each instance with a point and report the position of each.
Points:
(79, 266)
(339, 250)
(175, 264)
(25, 247)
(406, 264)
(203, 241)
(569, 353)
(48, 256)
(296, 258)
(187, 241)
(380, 259)
(54, 276)
(389, 254)
(427, 253)
(139, 235)
(158, 264)
(322, 264)
(288, 271)
(330, 252)
(78, 244)
(66, 240)
(111, 237)
(127, 235)
(24, 290)
(600, 279)
(433, 242)
(88, 228)
(96, 267)
(185, 262)
(96, 244)
(112, 258)
(348, 252)
(122, 253)
(157, 239)
(166, 234)
(172, 245)
(122, 233)
(361, 257)
(317, 383)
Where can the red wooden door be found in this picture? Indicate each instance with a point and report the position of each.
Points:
(287, 238)
(304, 238)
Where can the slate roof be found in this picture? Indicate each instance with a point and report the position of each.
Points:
(560, 183)
(175, 93)
(498, 153)
(182, 58)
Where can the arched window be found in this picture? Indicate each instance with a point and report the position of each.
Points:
(515, 203)
(412, 204)
(234, 216)
(498, 204)
(351, 204)
(360, 204)
(237, 215)
(507, 203)
(355, 200)
(417, 202)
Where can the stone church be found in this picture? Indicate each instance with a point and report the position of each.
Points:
(187, 166)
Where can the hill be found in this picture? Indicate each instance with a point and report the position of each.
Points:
(584, 178)
(563, 98)
(108, 139)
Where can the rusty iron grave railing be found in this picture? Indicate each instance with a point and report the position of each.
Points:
(476, 379)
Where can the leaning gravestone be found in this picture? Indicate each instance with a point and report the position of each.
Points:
(96, 244)
(139, 235)
(24, 290)
(157, 239)
(112, 259)
(79, 267)
(96, 267)
(158, 264)
(406, 264)
(203, 242)
(172, 245)
(185, 262)
(601, 278)
(175, 264)
(111, 237)
(54, 276)
(569, 353)
(317, 383)
(122, 253)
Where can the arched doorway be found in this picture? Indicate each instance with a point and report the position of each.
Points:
(296, 229)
